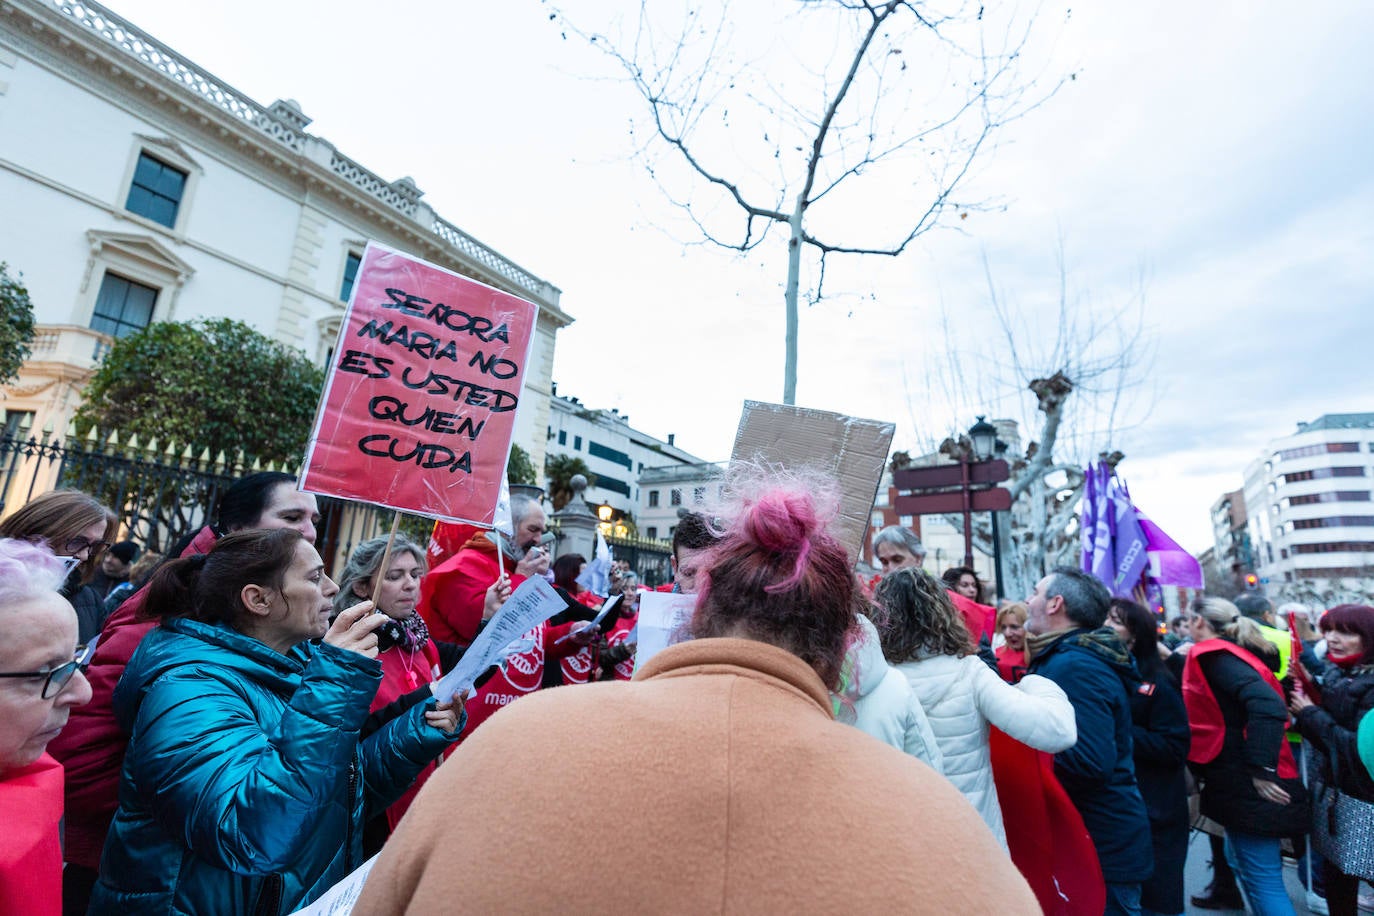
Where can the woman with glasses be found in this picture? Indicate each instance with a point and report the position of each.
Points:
(73, 525)
(40, 682)
(1250, 782)
(245, 781)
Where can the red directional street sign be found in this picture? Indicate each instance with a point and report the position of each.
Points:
(950, 475)
(993, 500)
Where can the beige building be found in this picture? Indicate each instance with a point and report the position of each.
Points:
(137, 187)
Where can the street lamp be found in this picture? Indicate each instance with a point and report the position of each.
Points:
(983, 435)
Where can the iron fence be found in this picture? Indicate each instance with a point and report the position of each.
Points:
(159, 496)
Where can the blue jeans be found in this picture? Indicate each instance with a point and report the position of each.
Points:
(1259, 871)
(1122, 900)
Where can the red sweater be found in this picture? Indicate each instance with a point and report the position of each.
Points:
(30, 852)
(91, 747)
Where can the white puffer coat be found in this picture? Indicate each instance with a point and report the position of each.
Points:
(874, 697)
(961, 696)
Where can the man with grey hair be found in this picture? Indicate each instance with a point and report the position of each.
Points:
(453, 594)
(1069, 645)
(896, 547)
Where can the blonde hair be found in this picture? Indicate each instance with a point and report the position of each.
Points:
(1012, 609)
(1228, 622)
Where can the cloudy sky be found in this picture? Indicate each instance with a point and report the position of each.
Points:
(1208, 171)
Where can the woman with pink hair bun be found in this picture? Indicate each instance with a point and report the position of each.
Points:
(776, 557)
(734, 783)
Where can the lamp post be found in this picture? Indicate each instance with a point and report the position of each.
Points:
(985, 444)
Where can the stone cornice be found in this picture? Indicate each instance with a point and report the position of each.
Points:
(107, 48)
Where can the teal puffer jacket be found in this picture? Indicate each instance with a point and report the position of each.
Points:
(244, 784)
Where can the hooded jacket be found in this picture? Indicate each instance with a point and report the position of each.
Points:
(962, 696)
(1098, 674)
(244, 783)
(874, 697)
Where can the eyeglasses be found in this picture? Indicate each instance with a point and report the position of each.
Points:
(55, 679)
(77, 544)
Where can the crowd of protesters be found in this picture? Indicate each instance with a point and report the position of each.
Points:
(227, 730)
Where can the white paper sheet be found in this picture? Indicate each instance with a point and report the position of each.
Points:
(663, 618)
(339, 899)
(531, 604)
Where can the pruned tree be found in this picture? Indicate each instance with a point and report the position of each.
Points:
(1085, 368)
(849, 126)
(16, 325)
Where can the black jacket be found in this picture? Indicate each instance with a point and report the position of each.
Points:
(1097, 673)
(1255, 717)
(1160, 736)
(1346, 696)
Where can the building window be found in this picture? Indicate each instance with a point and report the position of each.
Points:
(156, 191)
(122, 307)
(14, 419)
(577, 443)
(1322, 474)
(651, 532)
(653, 499)
(1325, 448)
(675, 497)
(698, 494)
(562, 437)
(597, 450)
(351, 265)
(1335, 547)
(1336, 521)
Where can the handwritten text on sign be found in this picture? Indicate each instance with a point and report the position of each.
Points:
(420, 401)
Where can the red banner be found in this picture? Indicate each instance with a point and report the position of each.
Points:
(419, 404)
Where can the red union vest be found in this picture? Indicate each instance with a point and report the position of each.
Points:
(1204, 713)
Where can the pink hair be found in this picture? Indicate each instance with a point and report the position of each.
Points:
(778, 574)
(27, 569)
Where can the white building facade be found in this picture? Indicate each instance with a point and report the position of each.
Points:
(617, 454)
(1309, 509)
(136, 187)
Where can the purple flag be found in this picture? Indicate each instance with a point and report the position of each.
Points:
(1172, 564)
(1129, 557)
(1087, 517)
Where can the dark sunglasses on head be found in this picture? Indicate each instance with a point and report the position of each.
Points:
(55, 679)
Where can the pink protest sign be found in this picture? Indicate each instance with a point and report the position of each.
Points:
(419, 404)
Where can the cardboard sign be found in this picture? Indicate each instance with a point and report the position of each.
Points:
(853, 450)
(419, 405)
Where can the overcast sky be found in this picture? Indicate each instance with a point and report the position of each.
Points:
(1211, 161)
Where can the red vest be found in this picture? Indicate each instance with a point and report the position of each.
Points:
(1204, 713)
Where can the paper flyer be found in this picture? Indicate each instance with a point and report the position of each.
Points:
(531, 604)
(663, 618)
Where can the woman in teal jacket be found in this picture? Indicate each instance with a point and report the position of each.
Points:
(245, 781)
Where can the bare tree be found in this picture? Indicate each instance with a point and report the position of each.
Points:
(851, 123)
(1085, 368)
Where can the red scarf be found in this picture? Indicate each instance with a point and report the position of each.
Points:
(1204, 713)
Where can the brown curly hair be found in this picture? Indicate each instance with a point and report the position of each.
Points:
(921, 620)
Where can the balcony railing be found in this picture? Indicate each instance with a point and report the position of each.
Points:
(401, 195)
